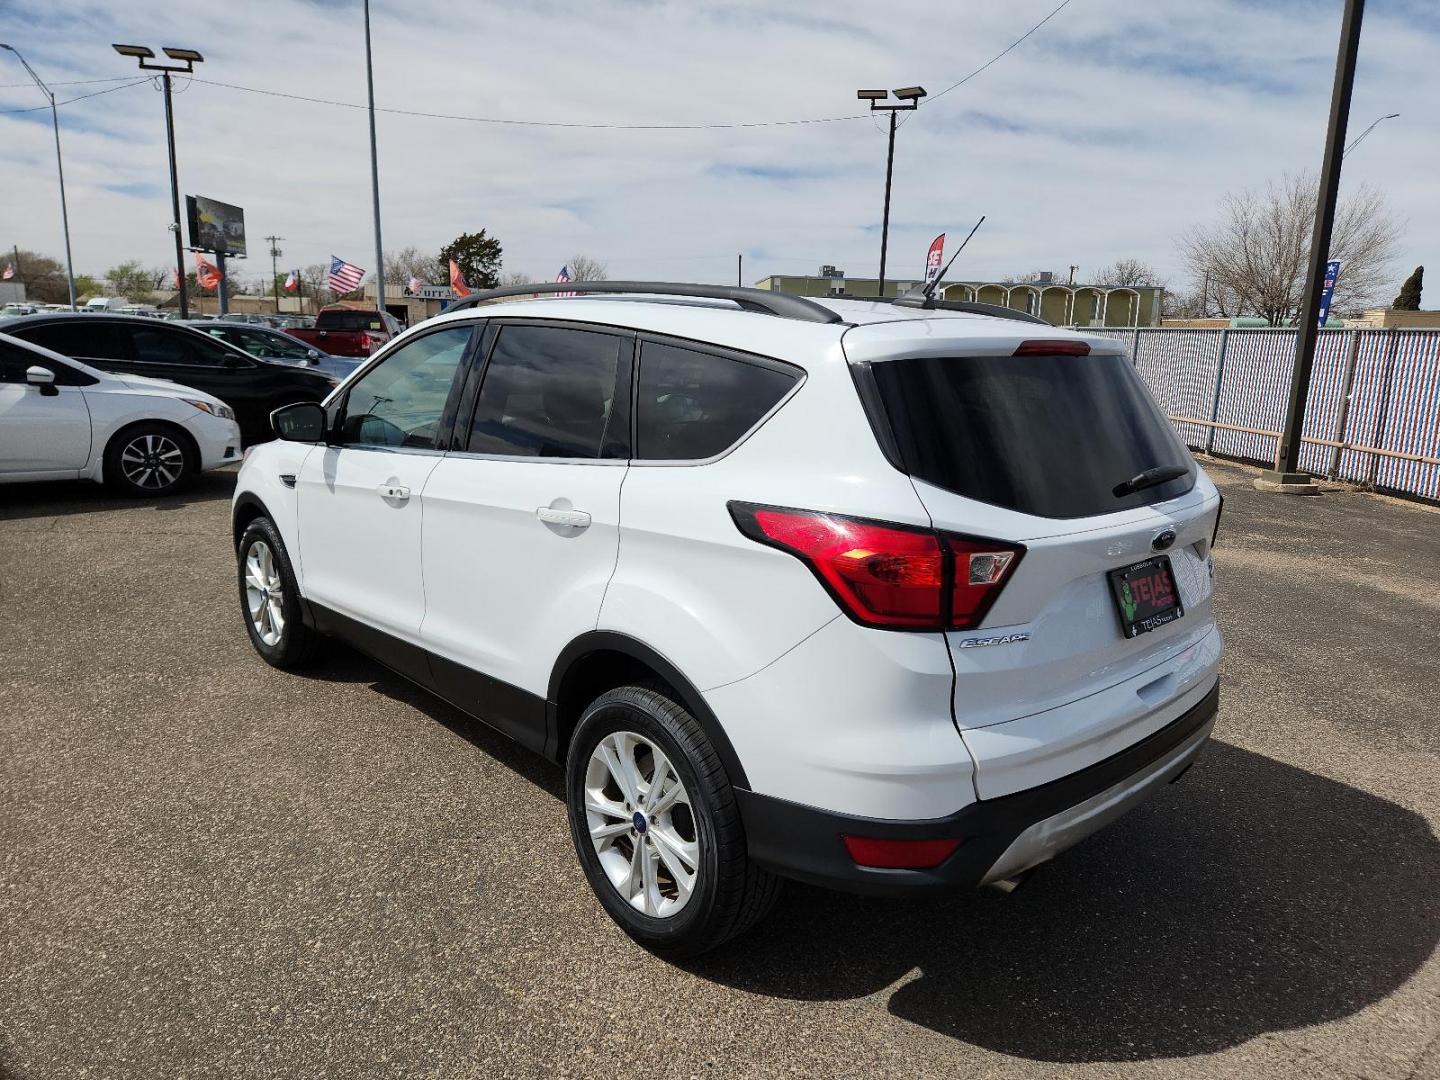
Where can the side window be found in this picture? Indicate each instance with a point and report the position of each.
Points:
(83, 340)
(694, 405)
(13, 363)
(549, 391)
(157, 346)
(400, 402)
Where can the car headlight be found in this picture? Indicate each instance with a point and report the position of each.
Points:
(214, 408)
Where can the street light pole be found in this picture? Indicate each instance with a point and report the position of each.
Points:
(374, 171)
(909, 98)
(1287, 453)
(1361, 137)
(59, 168)
(188, 59)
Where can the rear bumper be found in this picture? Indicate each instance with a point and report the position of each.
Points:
(1001, 836)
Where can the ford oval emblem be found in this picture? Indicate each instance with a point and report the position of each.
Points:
(1163, 539)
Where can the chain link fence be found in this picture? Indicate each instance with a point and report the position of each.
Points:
(1374, 411)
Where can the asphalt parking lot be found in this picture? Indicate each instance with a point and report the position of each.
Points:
(212, 869)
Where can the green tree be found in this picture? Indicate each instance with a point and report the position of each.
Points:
(85, 287)
(43, 277)
(130, 280)
(478, 257)
(1409, 298)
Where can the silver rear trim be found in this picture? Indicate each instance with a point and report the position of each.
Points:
(1046, 839)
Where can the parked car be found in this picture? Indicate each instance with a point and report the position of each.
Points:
(271, 344)
(64, 420)
(133, 345)
(10, 311)
(876, 596)
(343, 330)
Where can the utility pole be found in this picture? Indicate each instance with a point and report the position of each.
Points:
(275, 254)
(1285, 476)
(1073, 268)
(374, 170)
(740, 270)
(909, 98)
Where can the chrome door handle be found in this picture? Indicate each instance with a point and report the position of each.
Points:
(393, 491)
(575, 519)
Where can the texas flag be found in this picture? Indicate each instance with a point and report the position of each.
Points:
(414, 284)
(8, 272)
(457, 280)
(292, 281)
(207, 275)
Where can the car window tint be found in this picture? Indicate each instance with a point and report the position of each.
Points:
(548, 392)
(695, 405)
(157, 345)
(259, 343)
(13, 362)
(400, 402)
(79, 338)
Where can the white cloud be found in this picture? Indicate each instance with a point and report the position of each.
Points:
(1105, 135)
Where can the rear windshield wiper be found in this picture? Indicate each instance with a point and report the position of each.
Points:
(1148, 479)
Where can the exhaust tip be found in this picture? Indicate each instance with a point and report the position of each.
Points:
(1010, 884)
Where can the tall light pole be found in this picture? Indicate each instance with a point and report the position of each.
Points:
(909, 100)
(1361, 137)
(59, 168)
(187, 58)
(1285, 475)
(374, 170)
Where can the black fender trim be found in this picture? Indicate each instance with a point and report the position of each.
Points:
(691, 698)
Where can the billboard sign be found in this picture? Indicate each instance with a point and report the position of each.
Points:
(215, 226)
(1327, 291)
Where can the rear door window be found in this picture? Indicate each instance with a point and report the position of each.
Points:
(550, 391)
(79, 338)
(349, 320)
(694, 404)
(157, 345)
(1044, 435)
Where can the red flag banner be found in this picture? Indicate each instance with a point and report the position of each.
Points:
(934, 258)
(207, 275)
(457, 280)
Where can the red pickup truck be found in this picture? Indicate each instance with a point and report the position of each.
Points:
(343, 330)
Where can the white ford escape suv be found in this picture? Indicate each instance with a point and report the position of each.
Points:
(884, 597)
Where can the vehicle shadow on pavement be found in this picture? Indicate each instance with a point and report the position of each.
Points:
(61, 498)
(1250, 897)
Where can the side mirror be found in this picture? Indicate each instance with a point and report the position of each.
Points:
(42, 377)
(302, 422)
(313, 355)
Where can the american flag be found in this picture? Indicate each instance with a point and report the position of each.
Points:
(562, 277)
(292, 282)
(344, 277)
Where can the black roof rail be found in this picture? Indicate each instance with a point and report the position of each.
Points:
(765, 301)
(974, 307)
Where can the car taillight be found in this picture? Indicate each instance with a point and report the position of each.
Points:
(1057, 347)
(896, 577)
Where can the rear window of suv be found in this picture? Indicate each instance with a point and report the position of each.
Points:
(1044, 435)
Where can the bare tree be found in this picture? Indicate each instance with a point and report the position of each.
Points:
(1128, 273)
(1255, 257)
(408, 262)
(584, 268)
(515, 277)
(314, 278)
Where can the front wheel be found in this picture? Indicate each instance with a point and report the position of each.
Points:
(270, 598)
(656, 826)
(149, 459)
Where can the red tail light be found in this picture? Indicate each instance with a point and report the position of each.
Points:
(898, 854)
(1060, 347)
(897, 577)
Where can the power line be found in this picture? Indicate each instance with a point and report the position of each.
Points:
(81, 97)
(70, 82)
(956, 85)
(533, 123)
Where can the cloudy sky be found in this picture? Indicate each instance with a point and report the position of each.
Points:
(1105, 134)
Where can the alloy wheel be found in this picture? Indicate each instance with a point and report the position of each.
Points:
(152, 462)
(264, 593)
(641, 824)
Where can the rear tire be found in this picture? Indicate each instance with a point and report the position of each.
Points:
(656, 826)
(150, 460)
(270, 599)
